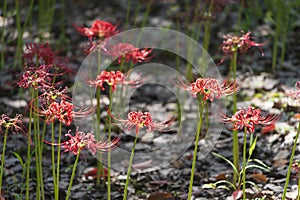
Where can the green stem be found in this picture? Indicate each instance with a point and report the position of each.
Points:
(3, 158)
(100, 170)
(58, 160)
(2, 34)
(298, 185)
(201, 107)
(73, 175)
(28, 146)
(109, 139)
(291, 163)
(130, 164)
(127, 15)
(275, 47)
(53, 162)
(240, 14)
(37, 150)
(235, 132)
(244, 163)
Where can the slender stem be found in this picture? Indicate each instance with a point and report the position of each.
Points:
(244, 163)
(130, 164)
(28, 147)
(201, 107)
(240, 14)
(291, 163)
(109, 139)
(73, 175)
(3, 157)
(100, 169)
(127, 15)
(3, 34)
(53, 163)
(37, 149)
(235, 132)
(298, 185)
(58, 160)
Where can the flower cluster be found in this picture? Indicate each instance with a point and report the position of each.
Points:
(249, 118)
(239, 44)
(83, 140)
(14, 124)
(138, 119)
(128, 52)
(112, 78)
(295, 93)
(209, 88)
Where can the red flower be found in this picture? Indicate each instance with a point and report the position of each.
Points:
(83, 140)
(39, 54)
(36, 78)
(40, 77)
(209, 88)
(50, 95)
(112, 78)
(296, 167)
(62, 111)
(129, 52)
(241, 44)
(249, 118)
(295, 92)
(14, 124)
(99, 29)
(140, 119)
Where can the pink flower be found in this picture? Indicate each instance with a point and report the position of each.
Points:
(295, 92)
(83, 140)
(112, 78)
(209, 88)
(14, 124)
(99, 29)
(241, 44)
(249, 118)
(129, 52)
(138, 119)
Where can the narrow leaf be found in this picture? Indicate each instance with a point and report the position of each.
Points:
(228, 161)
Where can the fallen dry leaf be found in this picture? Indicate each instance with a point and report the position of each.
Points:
(260, 177)
(160, 196)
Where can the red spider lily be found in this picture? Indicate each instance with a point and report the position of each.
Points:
(39, 53)
(209, 88)
(249, 118)
(113, 78)
(295, 92)
(62, 111)
(83, 140)
(296, 167)
(99, 29)
(37, 77)
(14, 124)
(241, 44)
(140, 119)
(129, 52)
(52, 94)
